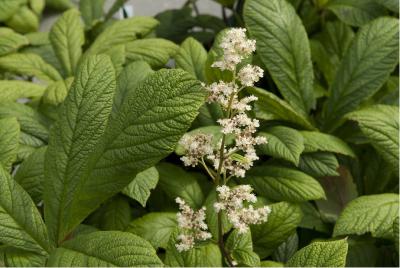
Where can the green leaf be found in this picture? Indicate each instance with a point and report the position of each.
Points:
(105, 248)
(365, 67)
(362, 253)
(14, 257)
(192, 58)
(11, 41)
(380, 124)
(24, 20)
(283, 143)
(271, 264)
(9, 7)
(85, 115)
(176, 182)
(284, 184)
(287, 249)
(396, 233)
(270, 107)
(92, 12)
(370, 213)
(320, 254)
(312, 218)
(67, 37)
(59, 4)
(319, 164)
(204, 255)
(140, 187)
(240, 247)
(356, 12)
(392, 5)
(155, 227)
(282, 223)
(31, 65)
(21, 224)
(12, 90)
(30, 174)
(37, 6)
(122, 32)
(56, 92)
(9, 136)
(316, 141)
(283, 47)
(155, 51)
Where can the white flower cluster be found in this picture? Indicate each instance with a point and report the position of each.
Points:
(192, 226)
(196, 147)
(232, 202)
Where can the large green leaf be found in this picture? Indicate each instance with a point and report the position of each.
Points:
(31, 65)
(9, 7)
(92, 12)
(14, 257)
(321, 254)
(155, 51)
(21, 224)
(283, 47)
(392, 5)
(155, 227)
(12, 90)
(270, 107)
(67, 37)
(370, 213)
(74, 140)
(9, 136)
(121, 32)
(319, 164)
(140, 187)
(106, 248)
(287, 249)
(316, 141)
(380, 124)
(11, 41)
(284, 143)
(356, 12)
(24, 20)
(282, 223)
(284, 184)
(365, 67)
(192, 58)
(240, 247)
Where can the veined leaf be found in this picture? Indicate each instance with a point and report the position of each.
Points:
(155, 227)
(270, 107)
(92, 12)
(24, 20)
(392, 5)
(284, 143)
(282, 223)
(284, 184)
(9, 7)
(283, 47)
(192, 58)
(316, 141)
(10, 41)
(31, 65)
(380, 124)
(356, 12)
(155, 51)
(21, 224)
(321, 254)
(9, 136)
(56, 92)
(140, 186)
(107, 248)
(14, 257)
(74, 140)
(121, 32)
(288, 248)
(240, 247)
(370, 213)
(319, 164)
(12, 90)
(365, 67)
(67, 37)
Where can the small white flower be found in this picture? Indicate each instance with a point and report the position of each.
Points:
(196, 146)
(250, 74)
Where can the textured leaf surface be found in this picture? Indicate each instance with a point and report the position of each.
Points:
(319, 164)
(317, 141)
(92, 12)
(392, 5)
(287, 249)
(12, 90)
(21, 224)
(9, 7)
(9, 136)
(282, 222)
(155, 227)
(140, 187)
(67, 37)
(107, 248)
(284, 143)
(370, 213)
(31, 65)
(74, 140)
(321, 254)
(121, 32)
(270, 107)
(24, 20)
(284, 184)
(380, 124)
(154, 51)
(241, 248)
(283, 47)
(10, 41)
(192, 58)
(365, 67)
(14, 257)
